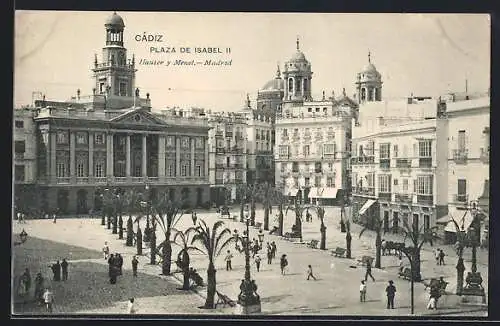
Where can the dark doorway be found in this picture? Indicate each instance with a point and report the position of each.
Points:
(81, 202)
(98, 200)
(62, 201)
(416, 224)
(171, 194)
(299, 196)
(199, 197)
(386, 221)
(427, 222)
(395, 222)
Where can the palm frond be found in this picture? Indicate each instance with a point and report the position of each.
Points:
(225, 244)
(362, 231)
(219, 238)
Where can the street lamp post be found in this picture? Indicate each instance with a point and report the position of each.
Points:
(473, 286)
(248, 298)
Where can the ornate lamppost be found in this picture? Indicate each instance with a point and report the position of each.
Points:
(473, 286)
(248, 298)
(261, 237)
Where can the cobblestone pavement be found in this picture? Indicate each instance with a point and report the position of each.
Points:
(335, 292)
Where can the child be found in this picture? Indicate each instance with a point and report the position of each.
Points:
(310, 273)
(362, 291)
(105, 250)
(257, 262)
(283, 264)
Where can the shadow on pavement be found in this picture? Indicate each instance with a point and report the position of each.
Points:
(274, 298)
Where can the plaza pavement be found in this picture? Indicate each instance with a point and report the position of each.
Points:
(335, 292)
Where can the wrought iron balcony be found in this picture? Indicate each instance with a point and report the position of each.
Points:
(369, 191)
(403, 197)
(385, 163)
(460, 156)
(460, 198)
(425, 162)
(403, 163)
(425, 199)
(385, 196)
(63, 180)
(485, 155)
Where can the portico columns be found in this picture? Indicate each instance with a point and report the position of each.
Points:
(144, 157)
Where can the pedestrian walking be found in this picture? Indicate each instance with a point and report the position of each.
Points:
(369, 270)
(23, 218)
(135, 262)
(194, 218)
(119, 263)
(383, 246)
(273, 249)
(19, 217)
(228, 259)
(48, 298)
(54, 218)
(105, 250)
(310, 273)
(401, 265)
(112, 269)
(39, 288)
(441, 257)
(436, 255)
(257, 262)
(131, 306)
(64, 268)
(27, 278)
(269, 256)
(362, 291)
(56, 271)
(283, 264)
(433, 297)
(391, 292)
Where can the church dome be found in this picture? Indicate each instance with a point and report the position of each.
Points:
(369, 68)
(298, 56)
(115, 20)
(274, 84)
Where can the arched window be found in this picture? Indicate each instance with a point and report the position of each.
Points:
(290, 84)
(306, 86)
(298, 86)
(363, 94)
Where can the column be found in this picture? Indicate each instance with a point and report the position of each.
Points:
(294, 87)
(72, 173)
(127, 159)
(144, 157)
(192, 142)
(52, 173)
(206, 159)
(178, 156)
(161, 156)
(47, 156)
(303, 86)
(109, 155)
(91, 155)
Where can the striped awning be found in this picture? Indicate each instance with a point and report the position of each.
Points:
(367, 205)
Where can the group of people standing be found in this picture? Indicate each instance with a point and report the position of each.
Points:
(42, 294)
(115, 264)
(57, 268)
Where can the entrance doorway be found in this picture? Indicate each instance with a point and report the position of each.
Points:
(81, 201)
(62, 201)
(199, 197)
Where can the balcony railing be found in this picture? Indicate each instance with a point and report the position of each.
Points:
(385, 163)
(425, 162)
(369, 191)
(460, 198)
(229, 134)
(403, 163)
(218, 134)
(385, 196)
(285, 138)
(238, 181)
(485, 155)
(425, 199)
(220, 150)
(100, 179)
(137, 179)
(403, 197)
(120, 179)
(460, 156)
(63, 179)
(82, 180)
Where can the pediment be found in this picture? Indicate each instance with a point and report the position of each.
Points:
(138, 117)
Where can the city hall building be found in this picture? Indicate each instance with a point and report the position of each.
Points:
(66, 153)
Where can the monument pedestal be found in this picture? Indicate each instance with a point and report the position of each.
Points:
(254, 309)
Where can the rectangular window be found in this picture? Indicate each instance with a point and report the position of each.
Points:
(283, 150)
(99, 138)
(80, 169)
(19, 172)
(317, 167)
(99, 172)
(395, 151)
(61, 169)
(307, 182)
(462, 187)
(384, 183)
(185, 142)
(370, 180)
(330, 182)
(306, 150)
(285, 132)
(102, 88)
(199, 142)
(19, 146)
(282, 167)
(427, 222)
(81, 138)
(295, 167)
(184, 169)
(198, 171)
(123, 89)
(461, 139)
(62, 137)
(424, 148)
(385, 151)
(424, 185)
(171, 170)
(317, 181)
(405, 185)
(19, 124)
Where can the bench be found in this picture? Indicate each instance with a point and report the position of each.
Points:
(224, 300)
(364, 260)
(313, 244)
(338, 252)
(405, 274)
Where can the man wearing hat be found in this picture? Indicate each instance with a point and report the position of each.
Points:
(391, 292)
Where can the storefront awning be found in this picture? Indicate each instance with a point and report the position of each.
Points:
(367, 205)
(462, 217)
(314, 192)
(292, 192)
(329, 193)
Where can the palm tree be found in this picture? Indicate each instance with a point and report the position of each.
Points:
(182, 239)
(298, 210)
(265, 192)
(459, 248)
(168, 213)
(131, 202)
(212, 242)
(418, 236)
(280, 199)
(320, 211)
(242, 194)
(348, 239)
(253, 193)
(377, 227)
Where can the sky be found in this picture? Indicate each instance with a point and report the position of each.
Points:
(423, 54)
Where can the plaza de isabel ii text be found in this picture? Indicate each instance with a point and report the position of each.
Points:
(419, 157)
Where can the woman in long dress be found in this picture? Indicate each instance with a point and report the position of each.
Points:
(22, 289)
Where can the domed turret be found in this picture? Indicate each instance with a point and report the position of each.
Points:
(115, 20)
(276, 84)
(297, 77)
(369, 83)
(270, 95)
